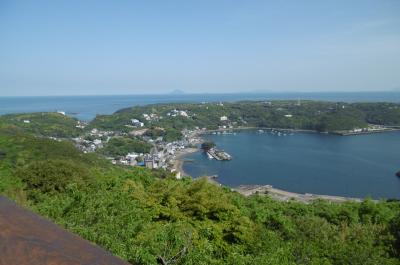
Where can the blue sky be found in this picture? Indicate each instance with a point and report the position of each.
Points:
(142, 47)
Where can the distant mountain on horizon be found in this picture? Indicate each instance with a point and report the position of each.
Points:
(177, 92)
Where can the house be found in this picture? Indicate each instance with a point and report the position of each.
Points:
(223, 118)
(183, 113)
(146, 116)
(27, 121)
(137, 123)
(61, 112)
(150, 163)
(97, 141)
(288, 115)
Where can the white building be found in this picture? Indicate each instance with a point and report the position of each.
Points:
(146, 116)
(97, 141)
(183, 113)
(224, 118)
(137, 123)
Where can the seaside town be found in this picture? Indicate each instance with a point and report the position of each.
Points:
(162, 154)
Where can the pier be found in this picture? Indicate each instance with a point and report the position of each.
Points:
(218, 154)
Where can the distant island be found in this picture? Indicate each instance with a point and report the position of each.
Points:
(176, 92)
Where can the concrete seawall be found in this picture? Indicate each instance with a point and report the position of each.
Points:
(282, 195)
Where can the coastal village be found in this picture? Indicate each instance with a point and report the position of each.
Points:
(163, 155)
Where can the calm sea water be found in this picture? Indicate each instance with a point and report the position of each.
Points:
(86, 107)
(356, 166)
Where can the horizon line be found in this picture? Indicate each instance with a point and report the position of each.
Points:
(204, 93)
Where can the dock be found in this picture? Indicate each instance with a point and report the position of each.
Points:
(218, 154)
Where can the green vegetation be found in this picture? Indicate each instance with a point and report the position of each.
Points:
(49, 176)
(311, 115)
(44, 124)
(120, 146)
(147, 216)
(207, 145)
(168, 134)
(381, 113)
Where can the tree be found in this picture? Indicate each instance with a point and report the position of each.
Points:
(207, 145)
(50, 176)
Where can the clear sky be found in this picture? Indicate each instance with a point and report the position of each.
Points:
(131, 47)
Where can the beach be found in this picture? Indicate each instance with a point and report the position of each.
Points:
(180, 159)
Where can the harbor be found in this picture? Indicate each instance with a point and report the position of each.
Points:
(219, 155)
(355, 167)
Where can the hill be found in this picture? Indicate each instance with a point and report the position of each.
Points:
(309, 115)
(43, 123)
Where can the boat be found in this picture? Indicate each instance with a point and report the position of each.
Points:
(209, 156)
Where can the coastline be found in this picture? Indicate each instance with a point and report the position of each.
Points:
(255, 128)
(283, 195)
(341, 133)
(180, 159)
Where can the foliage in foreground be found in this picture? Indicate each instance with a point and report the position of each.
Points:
(146, 216)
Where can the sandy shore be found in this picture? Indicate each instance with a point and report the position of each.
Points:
(180, 159)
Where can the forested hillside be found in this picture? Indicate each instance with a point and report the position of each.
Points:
(44, 124)
(148, 217)
(310, 115)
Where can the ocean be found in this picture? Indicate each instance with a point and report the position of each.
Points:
(87, 107)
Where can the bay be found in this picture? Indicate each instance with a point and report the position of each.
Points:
(353, 166)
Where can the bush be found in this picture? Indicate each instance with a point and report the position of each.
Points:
(51, 176)
(207, 145)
